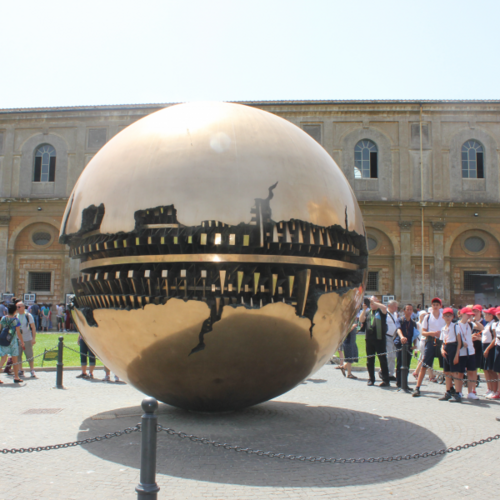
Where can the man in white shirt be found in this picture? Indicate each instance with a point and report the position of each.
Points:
(28, 332)
(432, 325)
(60, 316)
(392, 318)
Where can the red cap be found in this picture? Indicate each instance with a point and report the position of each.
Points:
(477, 307)
(466, 310)
(491, 310)
(448, 310)
(497, 310)
(436, 299)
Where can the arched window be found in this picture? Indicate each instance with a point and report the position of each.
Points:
(45, 164)
(472, 160)
(365, 160)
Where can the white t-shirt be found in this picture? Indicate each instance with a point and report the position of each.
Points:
(448, 334)
(486, 334)
(465, 331)
(26, 320)
(430, 323)
(60, 311)
(497, 331)
(391, 323)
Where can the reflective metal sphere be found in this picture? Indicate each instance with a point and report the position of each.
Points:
(223, 255)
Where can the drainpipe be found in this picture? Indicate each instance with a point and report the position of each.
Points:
(422, 205)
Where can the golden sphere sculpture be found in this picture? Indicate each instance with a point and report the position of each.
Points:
(222, 255)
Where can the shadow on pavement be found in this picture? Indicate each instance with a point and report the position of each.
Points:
(284, 427)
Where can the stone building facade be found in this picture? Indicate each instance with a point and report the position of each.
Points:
(377, 144)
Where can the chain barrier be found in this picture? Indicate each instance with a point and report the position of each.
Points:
(369, 356)
(110, 435)
(78, 352)
(250, 451)
(303, 458)
(34, 357)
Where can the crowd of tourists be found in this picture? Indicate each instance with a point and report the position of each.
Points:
(19, 324)
(463, 340)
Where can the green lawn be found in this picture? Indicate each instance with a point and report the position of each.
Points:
(49, 341)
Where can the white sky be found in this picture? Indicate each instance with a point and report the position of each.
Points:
(74, 52)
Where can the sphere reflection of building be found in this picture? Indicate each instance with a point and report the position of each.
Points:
(222, 255)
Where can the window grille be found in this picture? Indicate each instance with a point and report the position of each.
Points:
(469, 281)
(39, 282)
(372, 282)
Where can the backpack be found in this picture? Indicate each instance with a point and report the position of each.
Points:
(5, 335)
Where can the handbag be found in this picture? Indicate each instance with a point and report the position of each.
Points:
(6, 336)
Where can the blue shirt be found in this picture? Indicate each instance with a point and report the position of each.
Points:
(406, 327)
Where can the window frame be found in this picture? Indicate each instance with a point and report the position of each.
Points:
(44, 171)
(39, 271)
(366, 165)
(478, 162)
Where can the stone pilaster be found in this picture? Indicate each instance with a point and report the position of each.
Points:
(4, 243)
(438, 230)
(405, 232)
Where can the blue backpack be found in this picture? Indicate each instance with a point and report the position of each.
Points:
(5, 335)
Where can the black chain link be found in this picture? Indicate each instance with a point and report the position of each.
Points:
(110, 435)
(303, 458)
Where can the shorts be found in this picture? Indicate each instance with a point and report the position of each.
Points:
(59, 320)
(468, 363)
(496, 366)
(451, 351)
(28, 349)
(488, 362)
(429, 354)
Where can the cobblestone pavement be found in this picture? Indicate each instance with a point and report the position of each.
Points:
(328, 415)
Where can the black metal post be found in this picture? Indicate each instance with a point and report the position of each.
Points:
(147, 489)
(404, 367)
(59, 369)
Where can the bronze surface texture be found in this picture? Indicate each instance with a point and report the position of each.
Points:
(222, 255)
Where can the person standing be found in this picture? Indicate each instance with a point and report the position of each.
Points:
(3, 310)
(375, 326)
(35, 312)
(350, 350)
(432, 324)
(405, 329)
(86, 353)
(487, 339)
(392, 318)
(45, 317)
(60, 317)
(11, 322)
(28, 331)
(467, 354)
(479, 324)
(450, 350)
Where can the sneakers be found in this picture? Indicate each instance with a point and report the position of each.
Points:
(384, 384)
(33, 374)
(117, 379)
(21, 373)
(82, 375)
(456, 398)
(446, 397)
(416, 392)
(106, 378)
(472, 395)
(495, 396)
(370, 382)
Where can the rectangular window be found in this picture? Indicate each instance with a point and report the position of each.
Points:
(372, 281)
(52, 169)
(39, 282)
(469, 281)
(373, 165)
(480, 167)
(314, 131)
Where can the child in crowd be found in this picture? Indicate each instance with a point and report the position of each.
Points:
(467, 354)
(488, 339)
(451, 357)
(494, 350)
